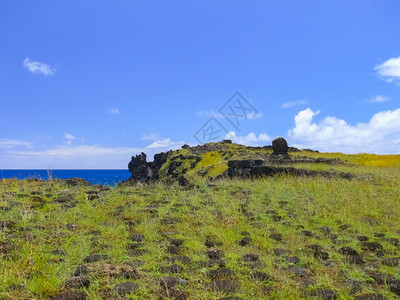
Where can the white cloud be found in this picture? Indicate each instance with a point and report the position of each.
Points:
(165, 143)
(69, 137)
(390, 69)
(8, 144)
(71, 157)
(217, 115)
(379, 99)
(379, 135)
(250, 139)
(294, 103)
(210, 114)
(113, 111)
(258, 115)
(36, 67)
(150, 136)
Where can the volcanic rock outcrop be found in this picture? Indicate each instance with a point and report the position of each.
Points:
(241, 161)
(143, 171)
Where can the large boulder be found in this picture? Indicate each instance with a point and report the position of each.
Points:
(280, 146)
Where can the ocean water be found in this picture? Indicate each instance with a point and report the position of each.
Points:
(103, 177)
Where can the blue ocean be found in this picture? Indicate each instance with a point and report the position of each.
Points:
(102, 177)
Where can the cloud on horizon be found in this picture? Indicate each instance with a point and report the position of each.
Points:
(165, 143)
(36, 67)
(9, 143)
(390, 70)
(80, 156)
(380, 135)
(250, 139)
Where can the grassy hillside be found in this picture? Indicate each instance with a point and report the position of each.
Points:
(211, 161)
(280, 237)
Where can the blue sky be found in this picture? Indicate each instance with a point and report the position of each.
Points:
(87, 84)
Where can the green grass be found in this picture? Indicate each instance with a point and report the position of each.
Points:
(220, 210)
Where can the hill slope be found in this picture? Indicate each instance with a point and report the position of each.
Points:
(266, 237)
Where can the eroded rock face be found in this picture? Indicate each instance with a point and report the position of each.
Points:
(143, 171)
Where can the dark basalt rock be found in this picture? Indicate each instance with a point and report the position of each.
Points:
(395, 287)
(58, 252)
(323, 294)
(137, 237)
(381, 278)
(143, 171)
(325, 230)
(394, 241)
(268, 170)
(95, 257)
(140, 169)
(77, 282)
(174, 250)
(181, 258)
(260, 276)
(250, 257)
(306, 282)
(276, 236)
(245, 241)
(172, 269)
(321, 255)
(70, 295)
(280, 146)
(76, 182)
(392, 262)
(171, 281)
(292, 259)
(212, 263)
(370, 297)
(64, 199)
(6, 225)
(299, 272)
(348, 251)
(355, 259)
(80, 270)
(215, 254)
(345, 226)
(176, 242)
(307, 233)
(280, 252)
(314, 247)
(371, 246)
(221, 274)
(125, 288)
(224, 286)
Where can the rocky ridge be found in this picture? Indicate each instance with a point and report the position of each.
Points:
(237, 161)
